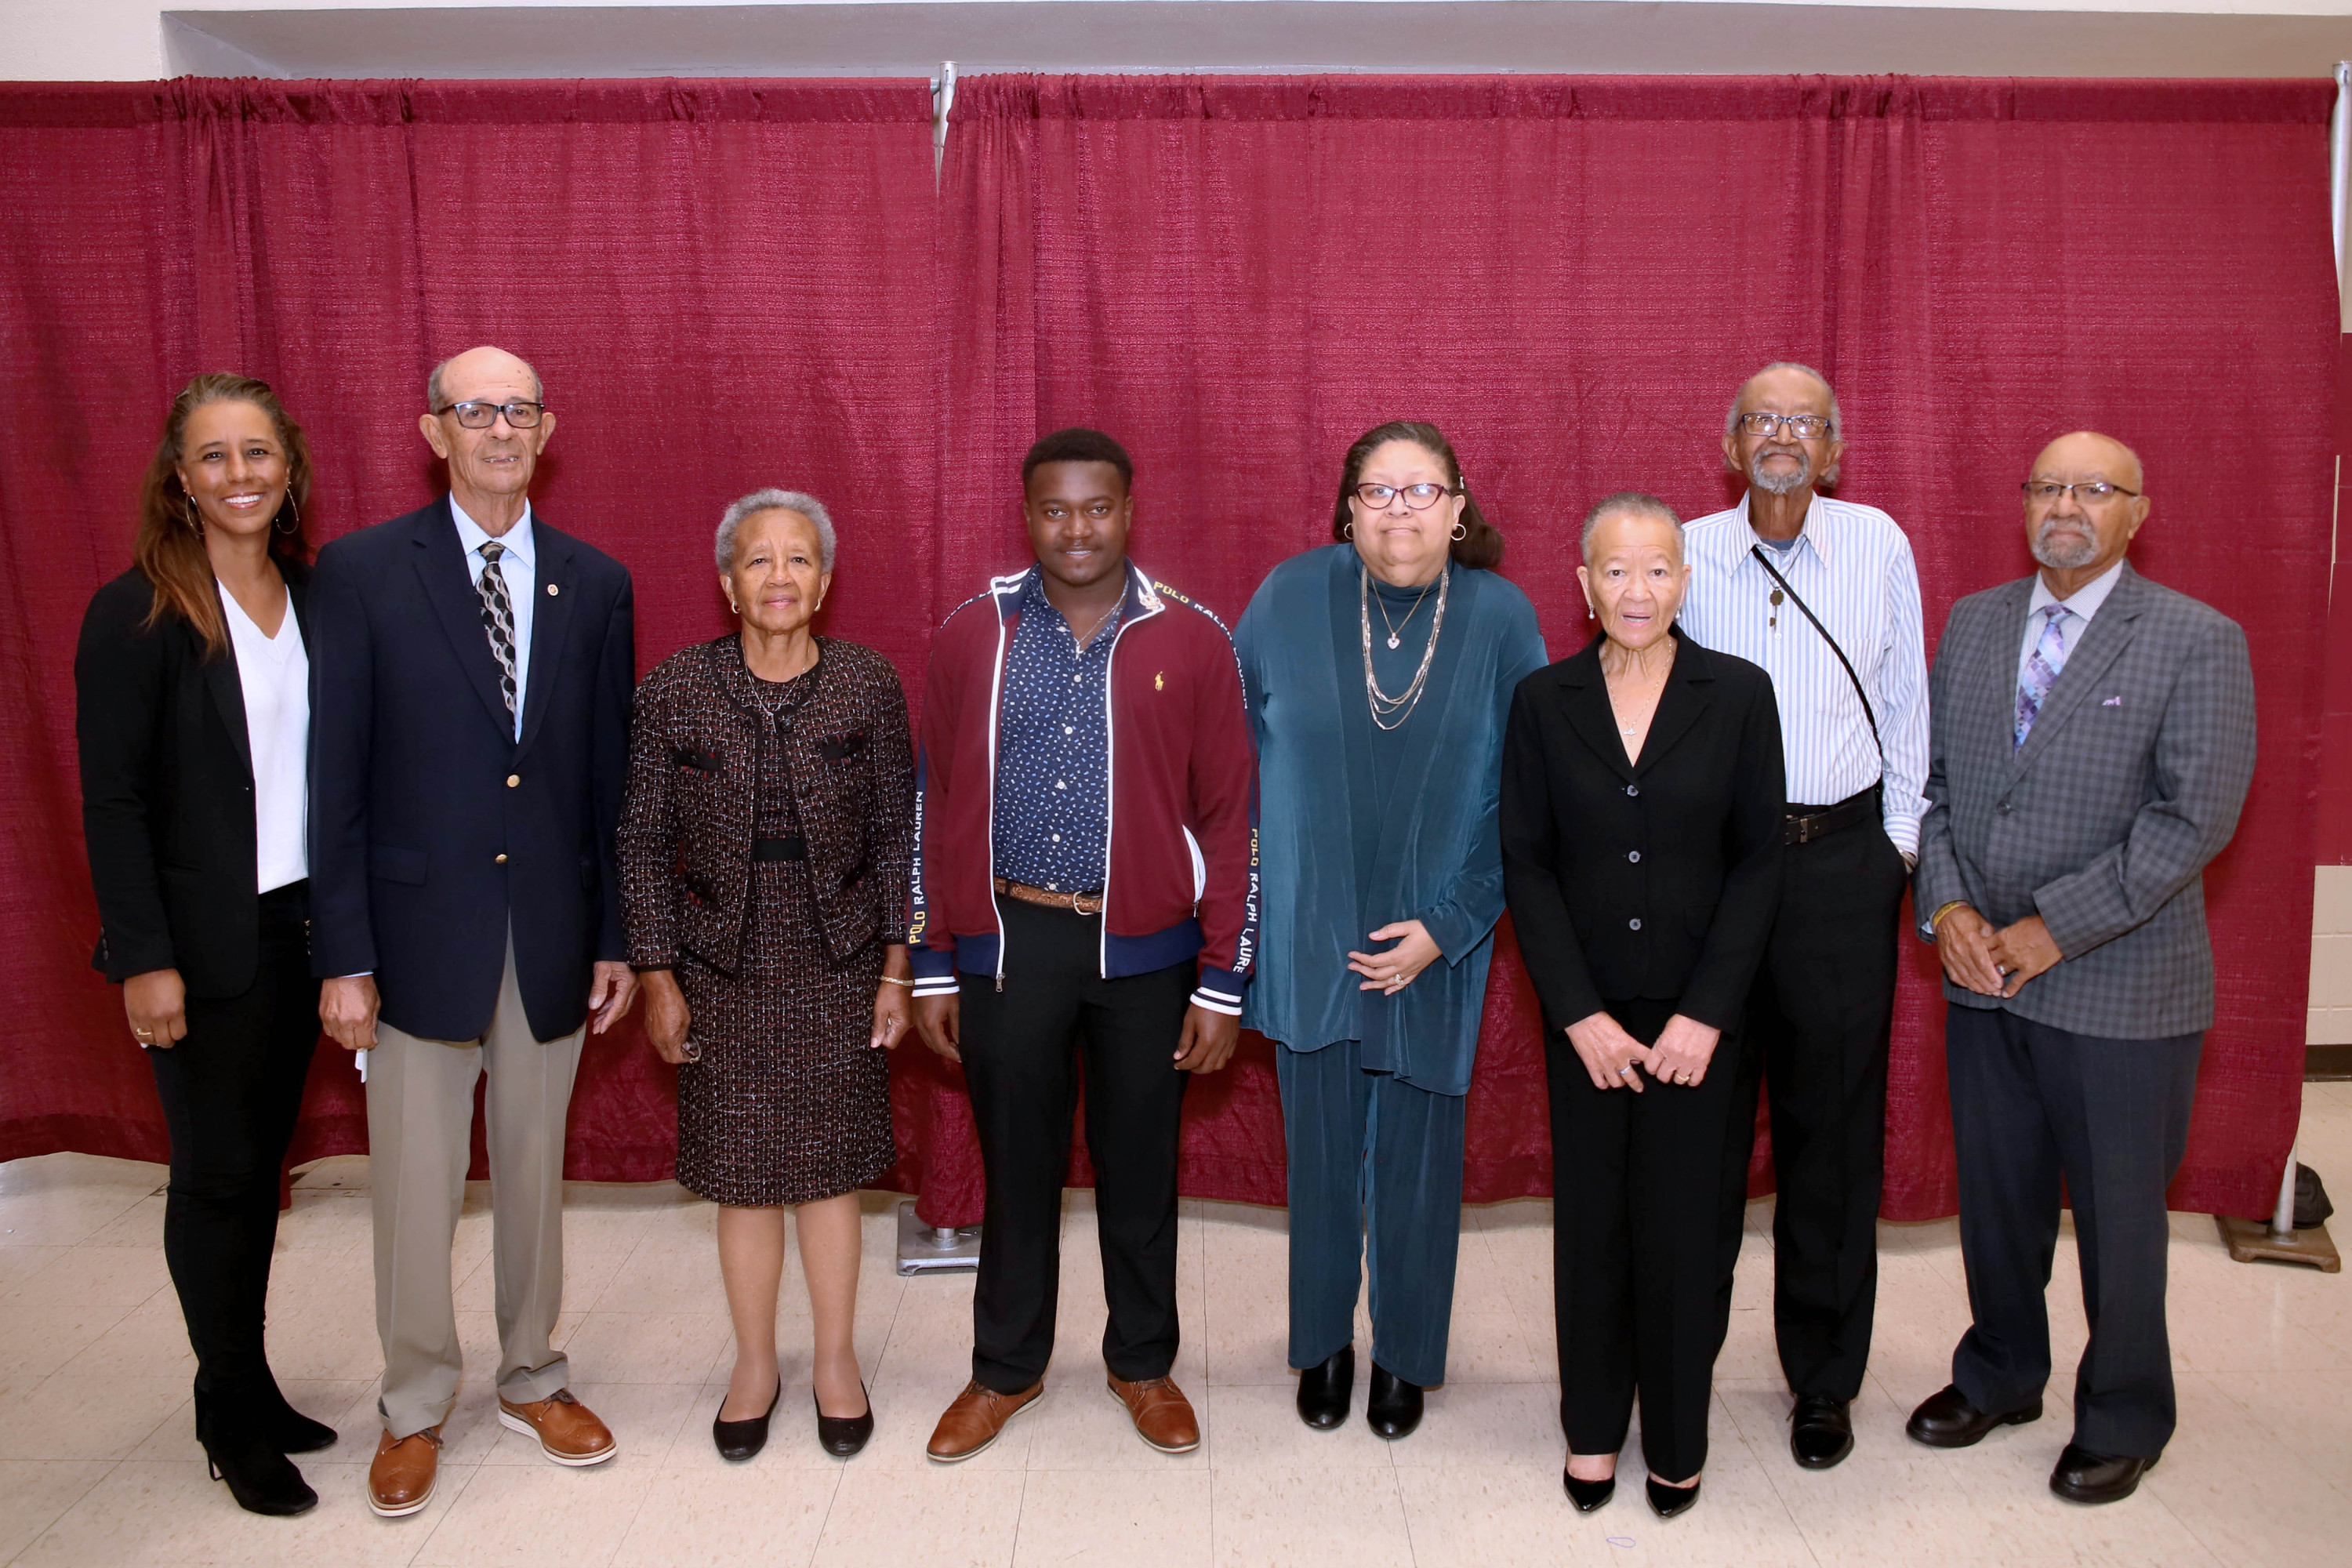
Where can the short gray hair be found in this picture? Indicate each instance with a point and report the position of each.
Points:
(801, 501)
(1638, 503)
(1837, 421)
(433, 394)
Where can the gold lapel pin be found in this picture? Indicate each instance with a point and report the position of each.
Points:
(553, 590)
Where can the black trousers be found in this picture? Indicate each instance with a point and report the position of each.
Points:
(2032, 1105)
(1818, 1020)
(1021, 1050)
(1645, 1235)
(231, 1089)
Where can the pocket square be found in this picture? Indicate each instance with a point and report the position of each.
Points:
(2112, 702)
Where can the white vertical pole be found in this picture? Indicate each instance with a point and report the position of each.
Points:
(943, 100)
(2339, 181)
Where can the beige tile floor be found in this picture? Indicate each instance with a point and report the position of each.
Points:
(98, 1462)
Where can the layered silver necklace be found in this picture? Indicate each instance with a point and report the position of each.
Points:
(1390, 712)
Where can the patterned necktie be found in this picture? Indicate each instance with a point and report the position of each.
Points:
(2042, 668)
(497, 618)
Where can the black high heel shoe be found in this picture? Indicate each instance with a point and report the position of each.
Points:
(262, 1479)
(1666, 1501)
(843, 1436)
(1392, 1405)
(1586, 1495)
(278, 1424)
(743, 1439)
(1325, 1392)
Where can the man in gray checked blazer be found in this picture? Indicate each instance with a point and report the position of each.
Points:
(2092, 736)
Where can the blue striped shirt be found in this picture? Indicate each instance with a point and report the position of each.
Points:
(1853, 565)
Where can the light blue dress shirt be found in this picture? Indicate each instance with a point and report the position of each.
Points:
(2083, 605)
(519, 567)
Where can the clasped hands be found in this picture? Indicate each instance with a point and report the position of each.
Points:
(1989, 962)
(1615, 1059)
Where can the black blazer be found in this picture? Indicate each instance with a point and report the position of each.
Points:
(167, 791)
(433, 831)
(1653, 879)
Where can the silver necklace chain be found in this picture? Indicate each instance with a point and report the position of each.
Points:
(1396, 632)
(1390, 712)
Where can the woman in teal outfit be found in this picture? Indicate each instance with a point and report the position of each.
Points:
(1379, 672)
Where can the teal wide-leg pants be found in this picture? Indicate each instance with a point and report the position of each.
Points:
(1375, 1188)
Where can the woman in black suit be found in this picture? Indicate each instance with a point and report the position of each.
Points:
(1641, 825)
(193, 719)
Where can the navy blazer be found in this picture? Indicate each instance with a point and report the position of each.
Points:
(167, 791)
(433, 833)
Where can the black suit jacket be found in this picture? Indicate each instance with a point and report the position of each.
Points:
(434, 832)
(167, 791)
(1657, 879)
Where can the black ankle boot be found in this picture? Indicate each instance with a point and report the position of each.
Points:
(1325, 1392)
(259, 1475)
(1392, 1405)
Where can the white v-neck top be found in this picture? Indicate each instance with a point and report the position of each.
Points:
(275, 675)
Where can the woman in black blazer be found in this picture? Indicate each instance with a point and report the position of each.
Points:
(193, 715)
(1641, 823)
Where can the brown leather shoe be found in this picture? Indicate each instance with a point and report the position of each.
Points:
(400, 1480)
(976, 1416)
(567, 1430)
(1163, 1416)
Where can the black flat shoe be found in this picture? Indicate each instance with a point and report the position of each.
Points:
(743, 1439)
(1820, 1432)
(1392, 1405)
(1325, 1392)
(262, 1479)
(843, 1436)
(2083, 1476)
(1588, 1495)
(1946, 1420)
(1666, 1501)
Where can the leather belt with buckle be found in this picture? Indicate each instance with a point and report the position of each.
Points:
(1804, 824)
(793, 849)
(1083, 903)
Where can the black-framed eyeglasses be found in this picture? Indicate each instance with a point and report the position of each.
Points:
(1417, 497)
(1804, 427)
(2090, 492)
(482, 415)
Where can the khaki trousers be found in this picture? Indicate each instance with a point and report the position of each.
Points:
(420, 1104)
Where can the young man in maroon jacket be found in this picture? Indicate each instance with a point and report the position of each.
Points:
(1085, 887)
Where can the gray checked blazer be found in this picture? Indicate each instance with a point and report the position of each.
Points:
(2130, 781)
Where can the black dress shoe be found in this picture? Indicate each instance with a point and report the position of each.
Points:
(1820, 1432)
(2084, 1476)
(1589, 1495)
(743, 1439)
(262, 1479)
(278, 1424)
(1392, 1405)
(843, 1436)
(1666, 1501)
(1325, 1392)
(1946, 1420)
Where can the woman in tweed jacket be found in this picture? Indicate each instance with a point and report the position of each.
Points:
(765, 854)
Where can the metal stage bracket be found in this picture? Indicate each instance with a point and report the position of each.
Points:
(935, 1249)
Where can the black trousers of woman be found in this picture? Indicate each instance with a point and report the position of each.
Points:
(1645, 1234)
(231, 1089)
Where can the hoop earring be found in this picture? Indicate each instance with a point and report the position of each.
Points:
(1347, 530)
(195, 523)
(297, 526)
(1460, 532)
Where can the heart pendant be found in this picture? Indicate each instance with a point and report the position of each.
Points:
(1393, 641)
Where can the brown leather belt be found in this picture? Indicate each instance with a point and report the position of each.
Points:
(1803, 823)
(1083, 903)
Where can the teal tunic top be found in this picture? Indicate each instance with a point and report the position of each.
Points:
(1359, 827)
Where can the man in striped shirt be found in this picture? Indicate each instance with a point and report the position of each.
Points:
(1823, 593)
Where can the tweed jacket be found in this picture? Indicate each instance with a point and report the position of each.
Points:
(694, 772)
(2129, 782)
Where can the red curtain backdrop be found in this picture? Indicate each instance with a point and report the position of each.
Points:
(728, 285)
(1570, 277)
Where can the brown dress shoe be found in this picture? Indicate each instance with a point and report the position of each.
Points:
(567, 1430)
(1163, 1416)
(976, 1416)
(400, 1480)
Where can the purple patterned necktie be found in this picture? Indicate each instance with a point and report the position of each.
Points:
(2042, 668)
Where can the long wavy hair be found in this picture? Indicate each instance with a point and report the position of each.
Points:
(170, 548)
(1481, 544)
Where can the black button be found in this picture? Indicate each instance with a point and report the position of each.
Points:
(1632, 789)
(1634, 855)
(1633, 925)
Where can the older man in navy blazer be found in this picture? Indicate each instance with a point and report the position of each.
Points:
(471, 673)
(2092, 740)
